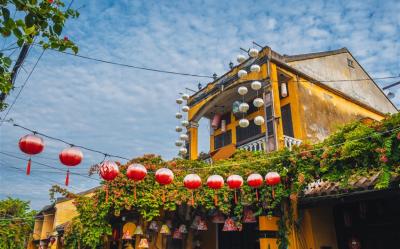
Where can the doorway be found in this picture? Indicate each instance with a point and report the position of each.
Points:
(245, 239)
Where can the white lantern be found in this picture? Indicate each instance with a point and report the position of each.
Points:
(253, 52)
(240, 58)
(184, 137)
(243, 123)
(242, 90)
(185, 123)
(256, 85)
(178, 143)
(182, 151)
(178, 115)
(242, 73)
(255, 68)
(259, 120)
(283, 89)
(185, 108)
(243, 107)
(178, 129)
(223, 125)
(258, 102)
(185, 96)
(179, 101)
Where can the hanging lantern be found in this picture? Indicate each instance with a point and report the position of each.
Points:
(184, 137)
(136, 172)
(258, 102)
(248, 216)
(143, 243)
(235, 182)
(165, 230)
(216, 120)
(153, 226)
(243, 107)
(242, 73)
(215, 182)
(195, 222)
(255, 68)
(259, 120)
(202, 225)
(178, 129)
(183, 151)
(185, 108)
(240, 58)
(115, 234)
(138, 230)
(256, 85)
(185, 123)
(31, 145)
(218, 218)
(185, 96)
(223, 125)
(178, 115)
(183, 228)
(283, 89)
(243, 123)
(255, 181)
(108, 171)
(70, 157)
(229, 225)
(192, 182)
(253, 52)
(164, 176)
(179, 101)
(242, 90)
(128, 230)
(272, 179)
(177, 234)
(178, 143)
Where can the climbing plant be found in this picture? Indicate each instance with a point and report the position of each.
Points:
(355, 150)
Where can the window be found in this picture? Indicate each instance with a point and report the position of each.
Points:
(287, 120)
(244, 134)
(222, 140)
(350, 63)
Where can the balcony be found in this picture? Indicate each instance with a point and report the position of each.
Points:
(254, 145)
(289, 142)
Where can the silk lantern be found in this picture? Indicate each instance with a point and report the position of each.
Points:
(164, 176)
(215, 182)
(242, 73)
(240, 58)
(272, 179)
(70, 157)
(253, 52)
(235, 182)
(255, 181)
(136, 172)
(108, 171)
(255, 68)
(31, 144)
(192, 182)
(216, 120)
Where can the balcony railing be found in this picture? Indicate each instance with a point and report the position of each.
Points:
(255, 145)
(289, 142)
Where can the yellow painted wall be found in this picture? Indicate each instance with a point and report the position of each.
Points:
(37, 229)
(65, 211)
(47, 228)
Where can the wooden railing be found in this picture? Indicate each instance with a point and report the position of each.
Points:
(289, 142)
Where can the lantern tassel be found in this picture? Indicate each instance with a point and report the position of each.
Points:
(215, 199)
(106, 189)
(67, 178)
(236, 200)
(192, 198)
(163, 196)
(257, 194)
(28, 168)
(273, 193)
(134, 191)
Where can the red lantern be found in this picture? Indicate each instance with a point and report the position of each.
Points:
(70, 157)
(108, 171)
(272, 179)
(215, 182)
(31, 145)
(164, 176)
(192, 182)
(136, 172)
(216, 120)
(234, 182)
(255, 181)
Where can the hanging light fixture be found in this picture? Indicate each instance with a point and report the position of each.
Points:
(153, 226)
(192, 182)
(242, 73)
(70, 157)
(138, 230)
(177, 234)
(256, 85)
(178, 128)
(136, 172)
(243, 123)
(178, 115)
(108, 171)
(240, 58)
(272, 179)
(284, 89)
(215, 182)
(253, 52)
(185, 96)
(178, 143)
(255, 181)
(259, 120)
(184, 137)
(143, 243)
(165, 230)
(164, 177)
(216, 120)
(248, 216)
(183, 151)
(229, 225)
(255, 68)
(185, 108)
(185, 123)
(258, 102)
(242, 90)
(183, 228)
(31, 144)
(243, 107)
(235, 182)
(179, 101)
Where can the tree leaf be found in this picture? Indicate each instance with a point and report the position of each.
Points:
(6, 13)
(57, 28)
(29, 20)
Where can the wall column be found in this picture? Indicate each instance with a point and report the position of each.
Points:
(193, 140)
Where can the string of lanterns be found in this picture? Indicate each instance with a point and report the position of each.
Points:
(183, 137)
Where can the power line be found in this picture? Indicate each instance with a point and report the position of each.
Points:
(22, 88)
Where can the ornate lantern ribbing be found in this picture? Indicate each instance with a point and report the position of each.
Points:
(70, 157)
(108, 171)
(31, 144)
(136, 172)
(215, 182)
(164, 176)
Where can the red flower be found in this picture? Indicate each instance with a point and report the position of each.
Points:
(398, 136)
(65, 38)
(383, 159)
(50, 1)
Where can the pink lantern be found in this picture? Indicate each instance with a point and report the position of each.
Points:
(108, 171)
(216, 120)
(234, 182)
(164, 176)
(215, 182)
(31, 145)
(192, 182)
(255, 181)
(272, 179)
(218, 218)
(248, 216)
(177, 234)
(136, 172)
(70, 157)
(229, 226)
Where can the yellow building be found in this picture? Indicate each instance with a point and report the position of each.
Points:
(306, 97)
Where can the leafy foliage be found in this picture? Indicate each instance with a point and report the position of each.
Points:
(41, 21)
(355, 150)
(16, 223)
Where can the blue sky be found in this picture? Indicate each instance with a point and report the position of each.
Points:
(130, 112)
